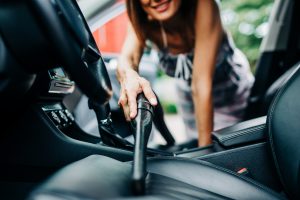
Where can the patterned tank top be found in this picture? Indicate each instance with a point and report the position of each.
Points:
(232, 83)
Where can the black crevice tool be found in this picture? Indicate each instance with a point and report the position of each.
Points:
(143, 122)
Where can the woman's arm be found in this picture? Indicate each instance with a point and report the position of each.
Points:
(209, 32)
(127, 73)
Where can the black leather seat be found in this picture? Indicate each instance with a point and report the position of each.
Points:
(98, 177)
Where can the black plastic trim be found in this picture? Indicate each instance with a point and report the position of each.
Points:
(242, 133)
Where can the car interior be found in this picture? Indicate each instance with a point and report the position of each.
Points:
(47, 50)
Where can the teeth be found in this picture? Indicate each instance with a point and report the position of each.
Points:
(161, 7)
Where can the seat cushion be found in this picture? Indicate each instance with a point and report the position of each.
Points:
(99, 177)
(210, 178)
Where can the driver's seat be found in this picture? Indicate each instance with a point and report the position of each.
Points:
(99, 177)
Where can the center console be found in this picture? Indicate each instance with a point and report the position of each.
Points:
(53, 87)
(242, 146)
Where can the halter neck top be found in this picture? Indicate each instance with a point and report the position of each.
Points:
(181, 65)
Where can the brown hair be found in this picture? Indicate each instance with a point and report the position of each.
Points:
(142, 26)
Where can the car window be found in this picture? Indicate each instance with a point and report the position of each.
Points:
(247, 21)
(90, 7)
(111, 35)
(107, 20)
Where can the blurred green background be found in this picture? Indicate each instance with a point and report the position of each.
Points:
(247, 20)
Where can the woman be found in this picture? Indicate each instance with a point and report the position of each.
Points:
(213, 76)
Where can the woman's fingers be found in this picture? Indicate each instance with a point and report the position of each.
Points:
(132, 103)
(149, 94)
(124, 104)
(123, 98)
(126, 111)
(128, 95)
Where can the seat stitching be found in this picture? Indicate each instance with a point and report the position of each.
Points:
(260, 186)
(169, 187)
(291, 78)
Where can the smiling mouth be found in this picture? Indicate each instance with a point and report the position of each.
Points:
(162, 7)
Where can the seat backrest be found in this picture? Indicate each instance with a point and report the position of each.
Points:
(283, 122)
(274, 88)
(279, 52)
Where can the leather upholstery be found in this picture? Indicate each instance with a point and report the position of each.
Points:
(91, 178)
(216, 180)
(284, 134)
(275, 87)
(99, 177)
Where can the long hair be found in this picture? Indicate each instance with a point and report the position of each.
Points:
(142, 26)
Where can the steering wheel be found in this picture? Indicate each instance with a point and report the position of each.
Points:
(72, 46)
(76, 48)
(60, 37)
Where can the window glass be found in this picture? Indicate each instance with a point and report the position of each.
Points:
(247, 20)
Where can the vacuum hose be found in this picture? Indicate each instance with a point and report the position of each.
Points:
(143, 123)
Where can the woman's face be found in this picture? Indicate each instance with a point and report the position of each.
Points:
(160, 9)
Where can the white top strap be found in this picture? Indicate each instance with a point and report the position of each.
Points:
(163, 35)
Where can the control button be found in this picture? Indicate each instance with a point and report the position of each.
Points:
(69, 115)
(63, 116)
(55, 118)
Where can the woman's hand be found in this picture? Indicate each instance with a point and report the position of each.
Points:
(131, 85)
